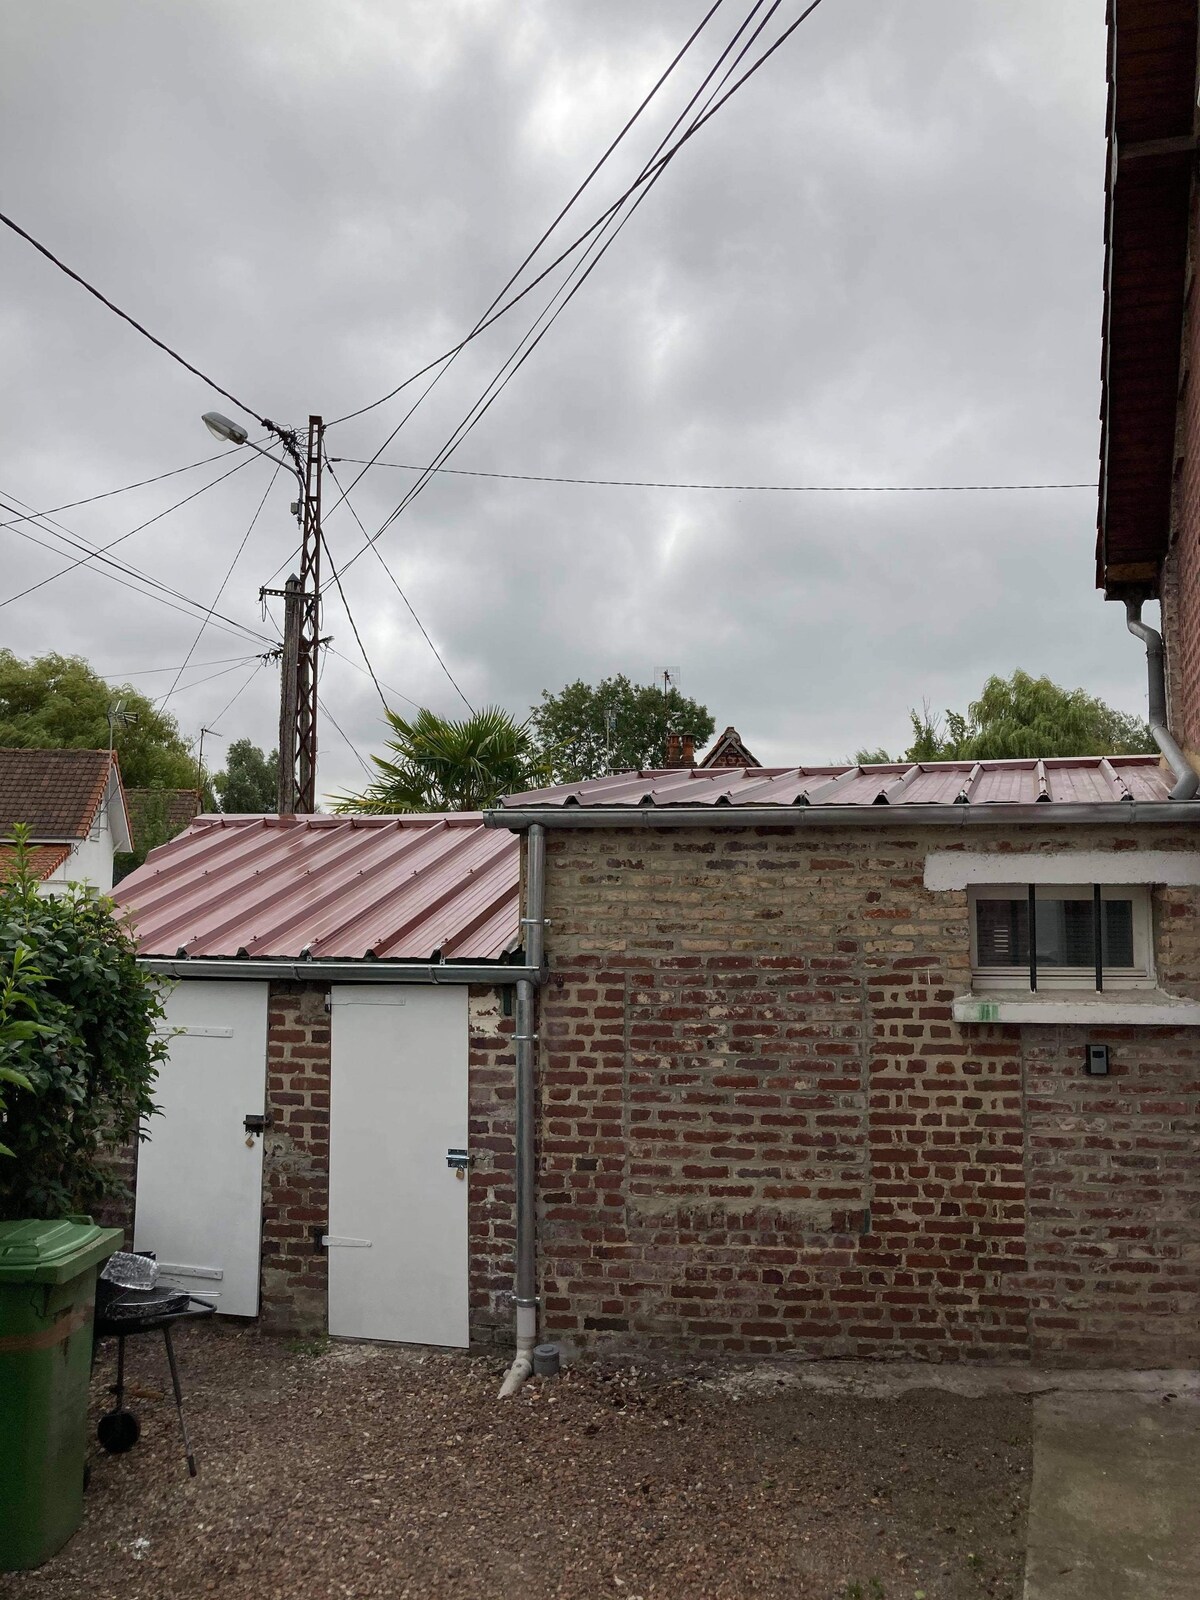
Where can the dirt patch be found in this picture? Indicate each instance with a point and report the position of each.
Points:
(370, 1472)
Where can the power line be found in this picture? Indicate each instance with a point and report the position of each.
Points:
(224, 673)
(237, 696)
(403, 596)
(104, 548)
(645, 177)
(121, 574)
(678, 57)
(133, 323)
(325, 712)
(150, 672)
(655, 168)
(70, 505)
(221, 590)
(353, 625)
(741, 488)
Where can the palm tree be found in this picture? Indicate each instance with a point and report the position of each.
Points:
(440, 765)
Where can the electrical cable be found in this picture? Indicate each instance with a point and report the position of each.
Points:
(213, 722)
(583, 269)
(353, 625)
(157, 591)
(149, 672)
(345, 737)
(741, 488)
(221, 590)
(133, 323)
(70, 505)
(104, 548)
(678, 57)
(224, 673)
(638, 182)
(403, 596)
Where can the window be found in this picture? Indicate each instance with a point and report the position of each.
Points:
(1084, 936)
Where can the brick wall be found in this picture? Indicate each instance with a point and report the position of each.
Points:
(1181, 574)
(491, 1201)
(296, 1159)
(761, 1129)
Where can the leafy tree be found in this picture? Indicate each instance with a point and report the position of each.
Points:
(92, 1060)
(250, 781)
(1023, 717)
(55, 702)
(616, 726)
(441, 765)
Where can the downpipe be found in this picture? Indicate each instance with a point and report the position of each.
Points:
(1187, 779)
(533, 928)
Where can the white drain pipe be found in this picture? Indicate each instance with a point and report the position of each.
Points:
(533, 929)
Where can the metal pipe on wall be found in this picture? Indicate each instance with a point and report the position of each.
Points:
(533, 929)
(1187, 780)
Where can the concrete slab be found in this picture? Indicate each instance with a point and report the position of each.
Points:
(1114, 1509)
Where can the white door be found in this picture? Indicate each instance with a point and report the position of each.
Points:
(397, 1211)
(199, 1179)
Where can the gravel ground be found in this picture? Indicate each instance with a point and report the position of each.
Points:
(362, 1471)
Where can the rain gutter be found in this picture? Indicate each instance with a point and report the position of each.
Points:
(310, 971)
(1187, 779)
(1046, 813)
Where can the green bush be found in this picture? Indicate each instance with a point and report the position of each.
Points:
(79, 1050)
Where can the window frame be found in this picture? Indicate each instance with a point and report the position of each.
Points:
(1072, 979)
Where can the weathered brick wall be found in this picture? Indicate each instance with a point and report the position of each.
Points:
(761, 1129)
(1181, 576)
(491, 1203)
(296, 1159)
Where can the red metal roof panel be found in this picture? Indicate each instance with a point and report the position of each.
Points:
(1076, 780)
(340, 888)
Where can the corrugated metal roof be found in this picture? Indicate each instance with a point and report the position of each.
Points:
(338, 888)
(1073, 780)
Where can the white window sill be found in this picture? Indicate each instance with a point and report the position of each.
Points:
(1144, 1008)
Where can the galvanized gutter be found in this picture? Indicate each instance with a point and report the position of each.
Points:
(1042, 814)
(302, 971)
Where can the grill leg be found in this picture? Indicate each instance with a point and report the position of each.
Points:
(187, 1443)
(120, 1406)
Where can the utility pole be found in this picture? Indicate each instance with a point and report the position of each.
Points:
(301, 641)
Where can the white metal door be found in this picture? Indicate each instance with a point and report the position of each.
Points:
(397, 1211)
(199, 1182)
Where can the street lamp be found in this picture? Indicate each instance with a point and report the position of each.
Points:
(230, 432)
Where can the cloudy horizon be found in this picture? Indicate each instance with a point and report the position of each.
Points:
(879, 264)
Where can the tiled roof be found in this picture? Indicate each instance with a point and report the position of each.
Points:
(170, 809)
(56, 792)
(1074, 780)
(338, 888)
(44, 859)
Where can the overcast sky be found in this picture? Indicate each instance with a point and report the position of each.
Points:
(879, 264)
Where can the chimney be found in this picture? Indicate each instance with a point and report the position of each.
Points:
(689, 750)
(674, 746)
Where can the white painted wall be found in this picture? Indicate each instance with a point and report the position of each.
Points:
(957, 869)
(91, 859)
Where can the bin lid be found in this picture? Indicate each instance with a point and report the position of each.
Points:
(53, 1252)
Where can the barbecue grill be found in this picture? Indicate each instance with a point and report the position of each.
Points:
(121, 1311)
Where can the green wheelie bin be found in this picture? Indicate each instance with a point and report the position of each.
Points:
(47, 1297)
